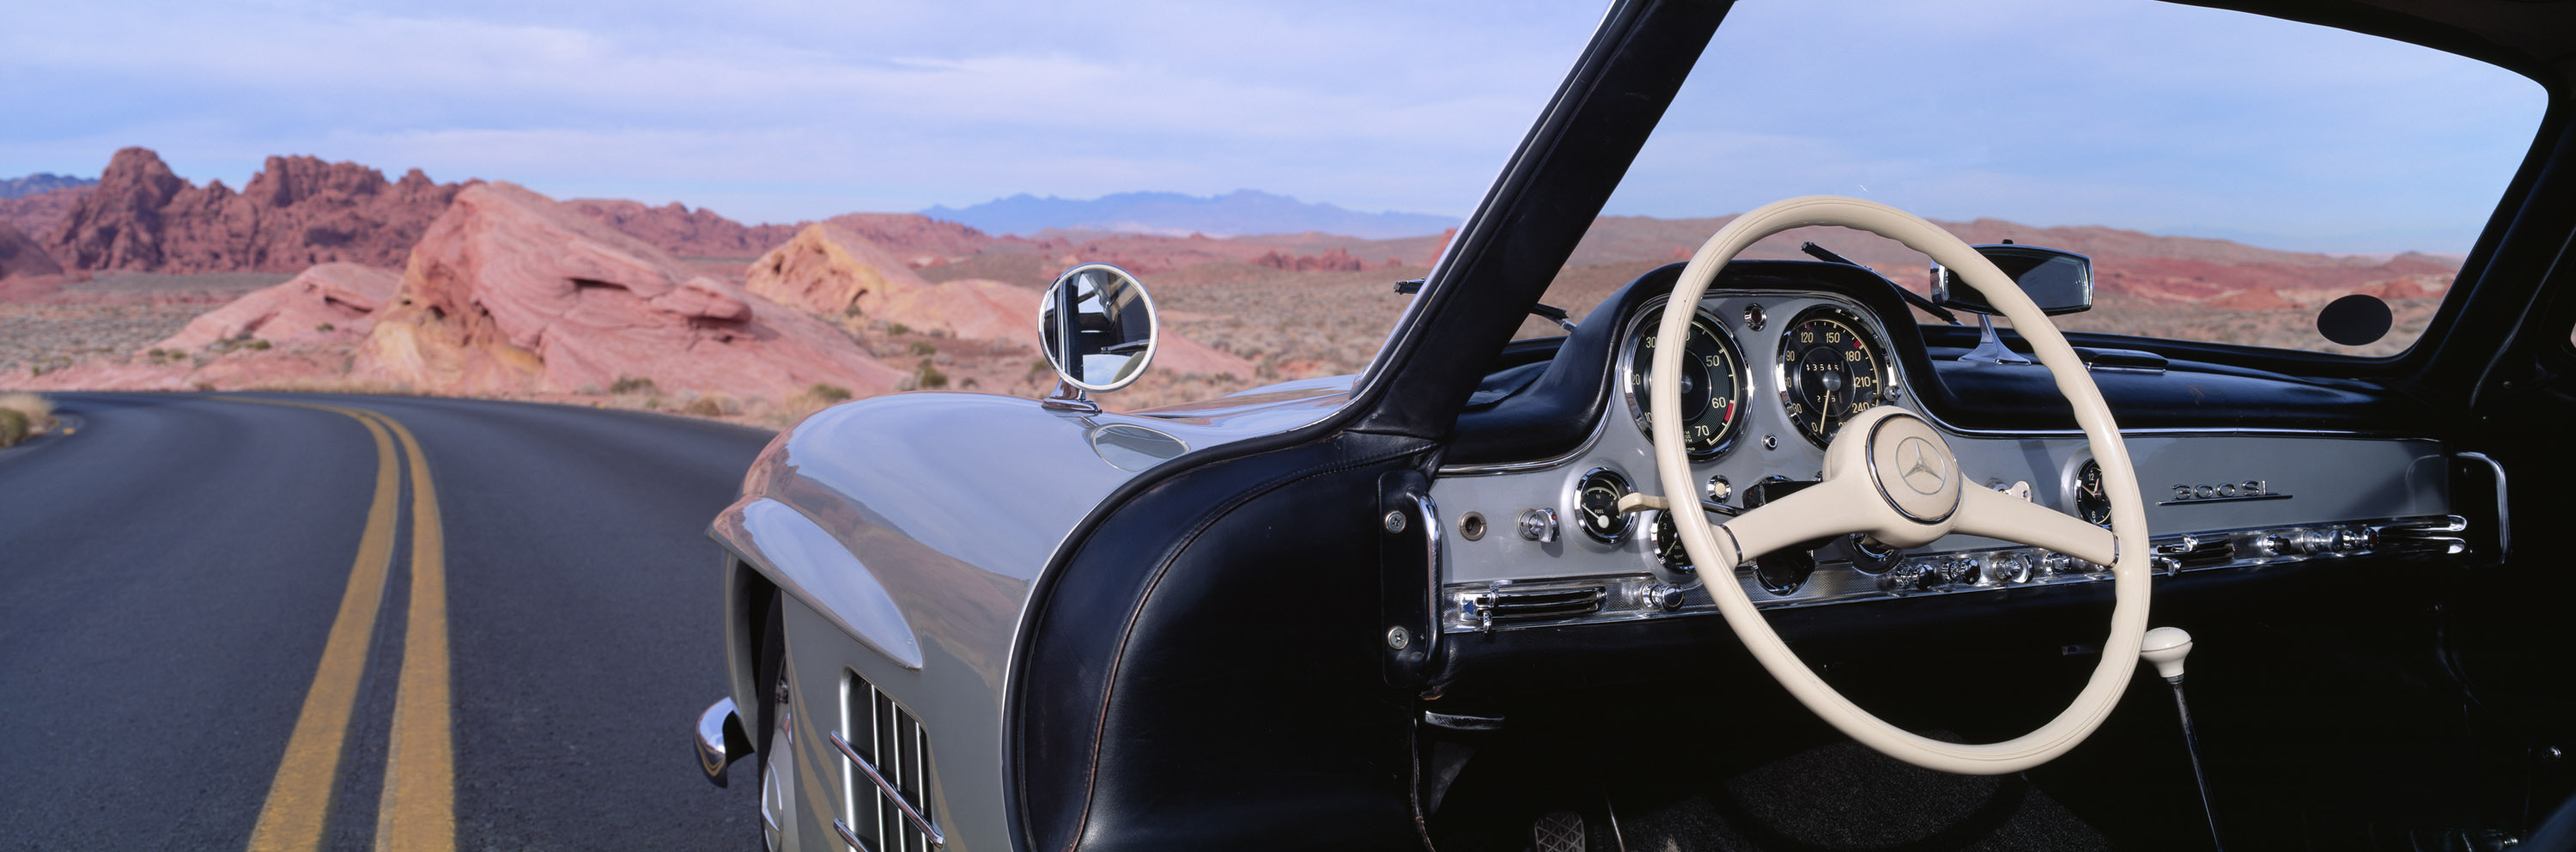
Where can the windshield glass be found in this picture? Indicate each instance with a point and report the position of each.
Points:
(2229, 174)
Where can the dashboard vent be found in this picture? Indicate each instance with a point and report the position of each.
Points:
(1502, 605)
(886, 795)
(2188, 552)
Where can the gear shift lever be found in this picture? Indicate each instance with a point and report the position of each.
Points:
(2165, 647)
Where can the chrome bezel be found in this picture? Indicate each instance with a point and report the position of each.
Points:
(1870, 333)
(1153, 330)
(1652, 313)
(1627, 522)
(1650, 533)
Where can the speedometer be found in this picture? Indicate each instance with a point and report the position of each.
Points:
(1830, 371)
(1713, 381)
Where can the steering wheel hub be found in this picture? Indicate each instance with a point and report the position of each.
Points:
(1914, 468)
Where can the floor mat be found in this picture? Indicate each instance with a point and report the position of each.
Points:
(1845, 797)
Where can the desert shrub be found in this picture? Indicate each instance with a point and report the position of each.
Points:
(13, 427)
(929, 376)
(703, 407)
(828, 394)
(632, 384)
(851, 311)
(324, 327)
(38, 410)
(921, 348)
(898, 328)
(258, 344)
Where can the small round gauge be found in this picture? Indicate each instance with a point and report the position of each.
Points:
(1667, 543)
(2090, 503)
(1596, 505)
(1713, 381)
(1830, 372)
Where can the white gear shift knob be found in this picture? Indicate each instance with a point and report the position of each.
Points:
(2165, 647)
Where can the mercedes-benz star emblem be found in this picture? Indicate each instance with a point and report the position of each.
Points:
(1920, 465)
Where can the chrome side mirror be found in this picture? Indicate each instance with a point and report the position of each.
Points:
(1098, 330)
(2061, 282)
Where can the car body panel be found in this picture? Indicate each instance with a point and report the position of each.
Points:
(910, 529)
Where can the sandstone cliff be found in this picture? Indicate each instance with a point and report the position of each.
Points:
(329, 298)
(296, 212)
(36, 215)
(681, 231)
(509, 292)
(20, 256)
(832, 272)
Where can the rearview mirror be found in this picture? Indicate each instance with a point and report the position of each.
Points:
(1097, 328)
(2060, 281)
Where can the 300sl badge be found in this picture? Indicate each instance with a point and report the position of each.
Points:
(2251, 489)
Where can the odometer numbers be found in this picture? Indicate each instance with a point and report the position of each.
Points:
(1713, 381)
(1830, 372)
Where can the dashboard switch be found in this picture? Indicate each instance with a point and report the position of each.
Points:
(1538, 525)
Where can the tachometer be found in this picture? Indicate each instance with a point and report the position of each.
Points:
(1713, 381)
(1830, 371)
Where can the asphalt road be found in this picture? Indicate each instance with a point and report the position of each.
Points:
(209, 609)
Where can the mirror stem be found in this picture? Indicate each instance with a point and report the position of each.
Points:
(1990, 348)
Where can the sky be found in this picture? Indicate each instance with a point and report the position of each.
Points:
(2128, 113)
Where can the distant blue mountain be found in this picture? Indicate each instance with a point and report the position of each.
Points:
(1240, 212)
(40, 183)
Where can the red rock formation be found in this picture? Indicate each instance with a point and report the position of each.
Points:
(296, 212)
(681, 231)
(509, 292)
(22, 257)
(829, 271)
(913, 235)
(332, 298)
(35, 215)
(1337, 260)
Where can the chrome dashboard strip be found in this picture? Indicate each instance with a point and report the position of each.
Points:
(1625, 595)
(886, 789)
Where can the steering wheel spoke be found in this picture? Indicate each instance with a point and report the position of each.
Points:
(1836, 506)
(1994, 514)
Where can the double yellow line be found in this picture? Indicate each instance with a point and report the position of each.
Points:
(417, 809)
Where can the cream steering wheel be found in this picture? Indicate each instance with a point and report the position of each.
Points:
(1890, 475)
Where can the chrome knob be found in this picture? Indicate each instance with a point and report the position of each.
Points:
(2009, 568)
(1538, 525)
(1663, 597)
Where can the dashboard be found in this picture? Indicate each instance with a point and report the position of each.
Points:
(1773, 370)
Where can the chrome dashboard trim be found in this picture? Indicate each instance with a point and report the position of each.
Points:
(1836, 581)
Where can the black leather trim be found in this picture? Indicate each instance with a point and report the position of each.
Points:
(1557, 411)
(1203, 675)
